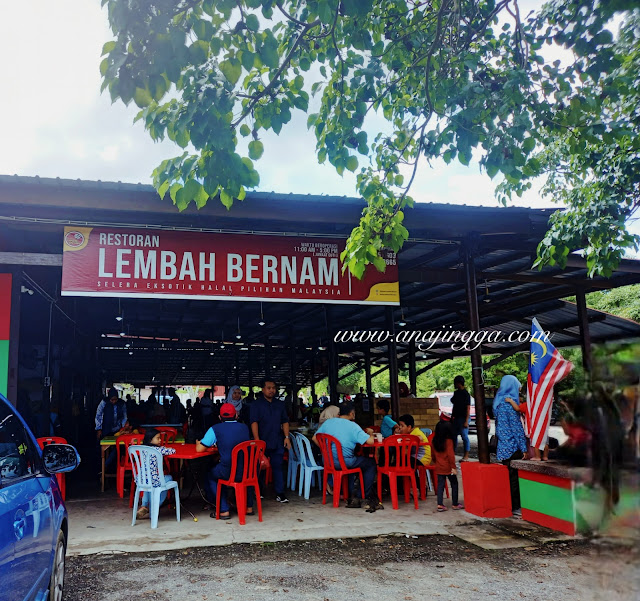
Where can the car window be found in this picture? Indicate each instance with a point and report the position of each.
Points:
(17, 455)
(445, 400)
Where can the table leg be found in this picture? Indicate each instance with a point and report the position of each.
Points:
(103, 452)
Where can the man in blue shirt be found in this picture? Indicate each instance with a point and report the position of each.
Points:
(270, 422)
(225, 435)
(350, 434)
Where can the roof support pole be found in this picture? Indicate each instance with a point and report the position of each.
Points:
(292, 377)
(333, 360)
(312, 372)
(393, 366)
(367, 371)
(585, 336)
(267, 361)
(250, 369)
(413, 377)
(468, 250)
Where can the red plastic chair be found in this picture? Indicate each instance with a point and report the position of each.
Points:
(375, 428)
(265, 464)
(61, 478)
(123, 460)
(168, 434)
(406, 448)
(253, 451)
(327, 445)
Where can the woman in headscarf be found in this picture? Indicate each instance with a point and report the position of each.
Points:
(512, 443)
(234, 396)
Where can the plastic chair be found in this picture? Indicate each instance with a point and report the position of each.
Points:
(253, 451)
(308, 467)
(406, 447)
(61, 478)
(293, 463)
(167, 433)
(140, 457)
(123, 460)
(327, 445)
(265, 464)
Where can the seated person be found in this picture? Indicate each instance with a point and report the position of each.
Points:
(406, 425)
(329, 412)
(225, 435)
(153, 438)
(349, 434)
(387, 425)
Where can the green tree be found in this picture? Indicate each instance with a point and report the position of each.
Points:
(454, 79)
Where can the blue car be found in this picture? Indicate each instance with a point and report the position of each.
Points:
(33, 518)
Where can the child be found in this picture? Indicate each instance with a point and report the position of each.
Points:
(153, 438)
(387, 425)
(445, 461)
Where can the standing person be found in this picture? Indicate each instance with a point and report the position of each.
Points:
(350, 434)
(269, 422)
(176, 413)
(512, 444)
(225, 435)
(461, 401)
(153, 438)
(387, 425)
(149, 405)
(234, 397)
(206, 409)
(111, 415)
(445, 461)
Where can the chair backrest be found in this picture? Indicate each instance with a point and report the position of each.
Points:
(331, 449)
(143, 468)
(253, 452)
(171, 429)
(294, 451)
(168, 436)
(406, 447)
(126, 440)
(305, 452)
(45, 440)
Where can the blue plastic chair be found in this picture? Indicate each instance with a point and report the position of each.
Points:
(142, 473)
(294, 462)
(308, 467)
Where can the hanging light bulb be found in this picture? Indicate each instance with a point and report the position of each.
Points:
(486, 298)
(238, 335)
(262, 321)
(402, 321)
(120, 315)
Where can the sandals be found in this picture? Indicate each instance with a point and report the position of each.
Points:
(354, 503)
(458, 506)
(222, 517)
(442, 508)
(372, 505)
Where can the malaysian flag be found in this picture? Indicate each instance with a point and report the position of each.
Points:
(546, 368)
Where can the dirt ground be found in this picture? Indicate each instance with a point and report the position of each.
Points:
(389, 567)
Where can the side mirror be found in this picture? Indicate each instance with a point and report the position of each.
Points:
(59, 458)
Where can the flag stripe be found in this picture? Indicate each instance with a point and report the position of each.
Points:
(540, 393)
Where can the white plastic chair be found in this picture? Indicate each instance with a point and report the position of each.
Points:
(308, 466)
(294, 462)
(142, 472)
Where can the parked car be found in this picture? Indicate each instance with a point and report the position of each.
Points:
(33, 518)
(446, 407)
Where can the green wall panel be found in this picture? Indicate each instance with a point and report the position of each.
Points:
(546, 499)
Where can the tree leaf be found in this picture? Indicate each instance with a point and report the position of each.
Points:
(255, 149)
(231, 69)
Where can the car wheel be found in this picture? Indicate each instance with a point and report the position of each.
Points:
(56, 585)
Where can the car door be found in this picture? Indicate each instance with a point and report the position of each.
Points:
(26, 500)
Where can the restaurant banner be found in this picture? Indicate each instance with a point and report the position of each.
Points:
(197, 265)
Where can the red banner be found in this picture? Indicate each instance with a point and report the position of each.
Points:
(196, 265)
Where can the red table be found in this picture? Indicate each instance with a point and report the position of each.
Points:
(186, 452)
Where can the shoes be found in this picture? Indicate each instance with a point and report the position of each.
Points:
(442, 508)
(517, 513)
(282, 498)
(354, 503)
(458, 506)
(373, 504)
(222, 517)
(143, 513)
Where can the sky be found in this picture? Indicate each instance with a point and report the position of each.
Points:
(56, 123)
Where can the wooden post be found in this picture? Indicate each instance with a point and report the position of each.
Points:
(333, 360)
(312, 371)
(468, 250)
(393, 366)
(292, 376)
(413, 378)
(367, 370)
(585, 336)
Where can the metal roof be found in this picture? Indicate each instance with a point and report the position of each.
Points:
(167, 334)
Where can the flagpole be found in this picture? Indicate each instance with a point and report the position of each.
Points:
(469, 247)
